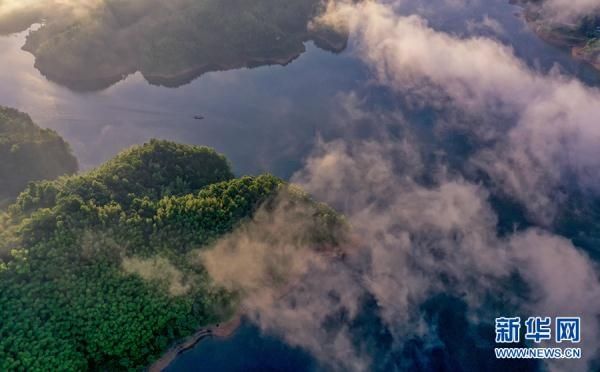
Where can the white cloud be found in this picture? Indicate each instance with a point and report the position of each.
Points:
(557, 131)
(442, 239)
(411, 242)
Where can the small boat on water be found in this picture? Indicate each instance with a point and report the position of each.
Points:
(199, 117)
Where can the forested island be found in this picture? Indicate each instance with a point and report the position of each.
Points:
(100, 271)
(580, 34)
(29, 153)
(94, 45)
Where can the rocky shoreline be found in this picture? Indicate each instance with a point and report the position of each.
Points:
(221, 330)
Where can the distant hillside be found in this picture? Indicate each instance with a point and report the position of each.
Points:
(29, 153)
(90, 47)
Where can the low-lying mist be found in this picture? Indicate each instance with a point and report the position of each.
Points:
(429, 249)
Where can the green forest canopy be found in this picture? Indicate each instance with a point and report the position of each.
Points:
(95, 269)
(171, 42)
(29, 153)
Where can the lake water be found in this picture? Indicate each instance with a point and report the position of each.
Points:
(245, 351)
(265, 119)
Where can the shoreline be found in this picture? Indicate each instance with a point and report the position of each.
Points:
(187, 76)
(220, 330)
(183, 76)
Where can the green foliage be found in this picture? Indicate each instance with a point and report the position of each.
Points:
(65, 299)
(172, 42)
(136, 174)
(29, 153)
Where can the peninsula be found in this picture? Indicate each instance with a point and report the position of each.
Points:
(96, 44)
(102, 270)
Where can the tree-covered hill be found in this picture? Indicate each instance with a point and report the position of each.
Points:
(29, 153)
(92, 45)
(98, 270)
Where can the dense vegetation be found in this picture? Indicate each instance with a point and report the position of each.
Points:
(98, 272)
(171, 42)
(29, 153)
